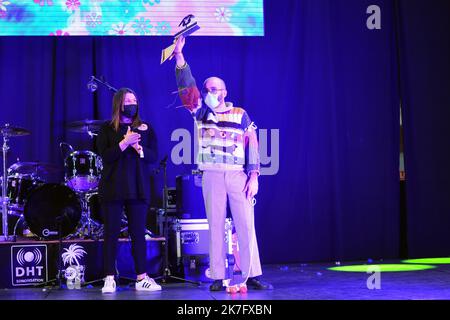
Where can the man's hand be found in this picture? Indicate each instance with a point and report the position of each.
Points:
(179, 44)
(251, 187)
(178, 51)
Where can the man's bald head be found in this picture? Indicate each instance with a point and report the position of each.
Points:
(214, 82)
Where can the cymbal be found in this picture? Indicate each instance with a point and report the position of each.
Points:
(85, 126)
(39, 169)
(13, 131)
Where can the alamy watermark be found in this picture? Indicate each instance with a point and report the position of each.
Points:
(374, 280)
(373, 22)
(186, 149)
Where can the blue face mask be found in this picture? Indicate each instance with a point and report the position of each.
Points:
(212, 100)
(129, 110)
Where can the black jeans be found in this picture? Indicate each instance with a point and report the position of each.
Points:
(136, 211)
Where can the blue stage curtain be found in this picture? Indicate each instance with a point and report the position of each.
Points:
(319, 76)
(425, 77)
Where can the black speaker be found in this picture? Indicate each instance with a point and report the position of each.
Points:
(189, 200)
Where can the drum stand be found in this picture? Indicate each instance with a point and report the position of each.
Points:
(5, 199)
(87, 224)
(125, 227)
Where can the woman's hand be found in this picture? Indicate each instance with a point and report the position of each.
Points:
(130, 138)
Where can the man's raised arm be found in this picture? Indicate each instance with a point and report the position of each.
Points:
(187, 87)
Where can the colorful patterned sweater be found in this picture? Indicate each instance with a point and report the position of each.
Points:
(226, 140)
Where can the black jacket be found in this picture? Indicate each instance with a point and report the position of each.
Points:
(125, 174)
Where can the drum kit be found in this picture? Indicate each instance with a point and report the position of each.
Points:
(51, 209)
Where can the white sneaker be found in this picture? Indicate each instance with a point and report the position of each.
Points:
(109, 286)
(147, 284)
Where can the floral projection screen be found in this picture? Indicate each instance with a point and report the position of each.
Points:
(129, 17)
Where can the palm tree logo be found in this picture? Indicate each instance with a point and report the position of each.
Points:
(74, 272)
(72, 254)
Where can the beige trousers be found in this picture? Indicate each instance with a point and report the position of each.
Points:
(216, 186)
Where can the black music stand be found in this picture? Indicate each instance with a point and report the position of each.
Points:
(167, 273)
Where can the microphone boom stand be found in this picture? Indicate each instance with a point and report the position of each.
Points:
(59, 274)
(167, 274)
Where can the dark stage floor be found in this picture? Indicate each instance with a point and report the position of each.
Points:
(291, 282)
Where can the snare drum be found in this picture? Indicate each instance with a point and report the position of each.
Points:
(82, 170)
(19, 188)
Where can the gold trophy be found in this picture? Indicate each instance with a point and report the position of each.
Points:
(188, 29)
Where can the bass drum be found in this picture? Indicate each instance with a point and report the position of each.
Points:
(52, 211)
(96, 209)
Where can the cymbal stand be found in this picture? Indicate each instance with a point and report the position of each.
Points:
(5, 199)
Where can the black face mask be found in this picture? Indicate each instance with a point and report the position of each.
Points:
(129, 110)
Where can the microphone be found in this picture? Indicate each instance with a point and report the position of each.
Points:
(92, 85)
(164, 161)
(94, 82)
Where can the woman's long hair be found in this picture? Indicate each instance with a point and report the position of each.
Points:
(118, 100)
